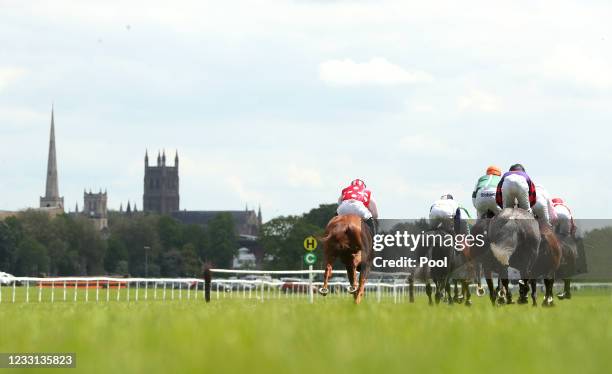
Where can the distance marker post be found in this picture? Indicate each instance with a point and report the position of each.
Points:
(310, 244)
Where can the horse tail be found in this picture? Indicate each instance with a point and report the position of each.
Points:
(353, 233)
(555, 247)
(502, 249)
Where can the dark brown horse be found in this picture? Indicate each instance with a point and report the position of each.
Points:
(349, 239)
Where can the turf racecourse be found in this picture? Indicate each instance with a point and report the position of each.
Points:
(331, 336)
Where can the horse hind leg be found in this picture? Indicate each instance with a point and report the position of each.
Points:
(465, 289)
(506, 285)
(455, 291)
(567, 290)
(428, 292)
(491, 287)
(523, 291)
(411, 288)
(324, 290)
(533, 285)
(351, 272)
(548, 297)
(363, 274)
(447, 287)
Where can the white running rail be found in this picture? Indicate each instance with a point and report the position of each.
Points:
(255, 284)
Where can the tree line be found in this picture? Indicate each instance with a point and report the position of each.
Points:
(33, 244)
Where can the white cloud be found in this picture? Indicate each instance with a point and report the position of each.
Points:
(301, 177)
(479, 101)
(423, 144)
(9, 75)
(377, 71)
(583, 67)
(243, 192)
(22, 115)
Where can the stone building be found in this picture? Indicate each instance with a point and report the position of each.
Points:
(246, 222)
(161, 185)
(95, 208)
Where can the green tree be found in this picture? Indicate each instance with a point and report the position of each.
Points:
(222, 241)
(170, 233)
(32, 258)
(10, 235)
(115, 253)
(172, 263)
(190, 261)
(320, 216)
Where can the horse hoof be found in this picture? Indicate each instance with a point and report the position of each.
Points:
(480, 291)
(548, 302)
(323, 291)
(522, 300)
(564, 296)
(468, 303)
(351, 289)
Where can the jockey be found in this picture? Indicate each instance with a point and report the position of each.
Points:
(357, 199)
(543, 208)
(516, 186)
(446, 210)
(483, 196)
(564, 220)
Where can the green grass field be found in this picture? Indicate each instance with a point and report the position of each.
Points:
(332, 335)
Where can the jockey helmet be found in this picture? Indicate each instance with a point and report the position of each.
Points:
(517, 167)
(557, 200)
(358, 183)
(446, 197)
(493, 170)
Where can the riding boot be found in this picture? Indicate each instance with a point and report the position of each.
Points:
(371, 225)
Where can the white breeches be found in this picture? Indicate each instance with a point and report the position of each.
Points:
(515, 190)
(355, 207)
(543, 207)
(442, 211)
(485, 201)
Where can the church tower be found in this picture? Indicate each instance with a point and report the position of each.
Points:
(161, 185)
(52, 198)
(94, 208)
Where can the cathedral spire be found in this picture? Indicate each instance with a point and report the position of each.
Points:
(259, 218)
(52, 190)
(147, 157)
(52, 198)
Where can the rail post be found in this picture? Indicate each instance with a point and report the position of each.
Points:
(310, 279)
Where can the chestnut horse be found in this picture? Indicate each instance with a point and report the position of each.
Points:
(349, 239)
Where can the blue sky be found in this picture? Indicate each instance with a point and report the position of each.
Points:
(281, 103)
